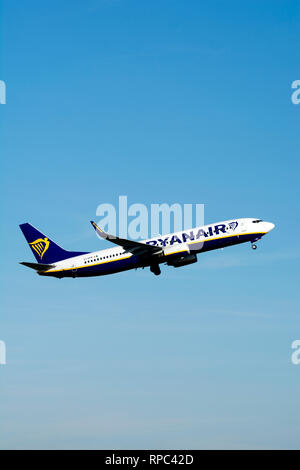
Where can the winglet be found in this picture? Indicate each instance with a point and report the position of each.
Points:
(98, 230)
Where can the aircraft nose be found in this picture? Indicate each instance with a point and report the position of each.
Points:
(269, 226)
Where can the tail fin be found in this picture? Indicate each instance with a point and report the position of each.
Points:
(43, 248)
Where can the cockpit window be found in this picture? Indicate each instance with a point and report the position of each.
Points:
(256, 221)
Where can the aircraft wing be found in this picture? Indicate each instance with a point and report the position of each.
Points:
(136, 248)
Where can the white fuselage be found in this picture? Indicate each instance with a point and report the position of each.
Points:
(196, 240)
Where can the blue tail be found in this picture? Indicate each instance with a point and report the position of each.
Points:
(43, 248)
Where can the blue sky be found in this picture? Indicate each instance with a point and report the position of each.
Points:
(162, 101)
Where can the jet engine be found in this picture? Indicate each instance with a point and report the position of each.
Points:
(183, 261)
(179, 255)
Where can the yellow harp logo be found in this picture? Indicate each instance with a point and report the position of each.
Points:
(40, 246)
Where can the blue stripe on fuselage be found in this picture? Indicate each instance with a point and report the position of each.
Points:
(223, 242)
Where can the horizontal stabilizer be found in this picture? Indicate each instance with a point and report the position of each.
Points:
(38, 266)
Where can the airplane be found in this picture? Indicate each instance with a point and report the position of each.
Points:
(175, 249)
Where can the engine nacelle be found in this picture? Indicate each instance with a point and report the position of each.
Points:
(183, 261)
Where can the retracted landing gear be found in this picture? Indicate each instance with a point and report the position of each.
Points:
(155, 269)
(254, 246)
